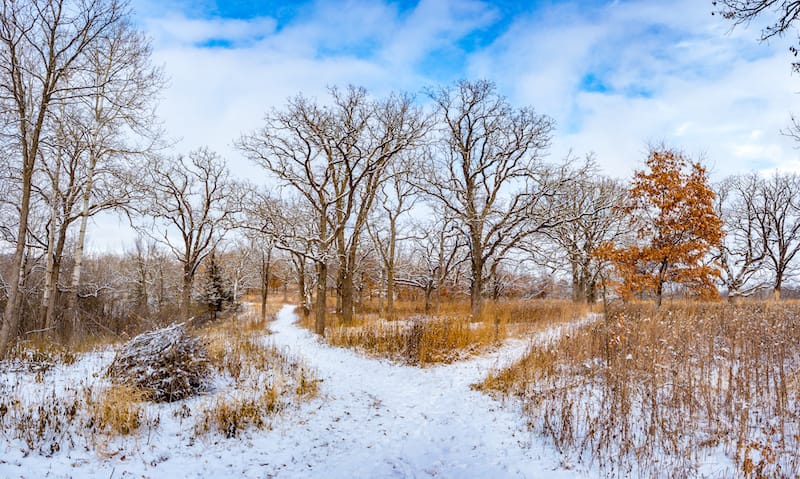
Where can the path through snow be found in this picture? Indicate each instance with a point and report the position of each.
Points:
(373, 419)
(378, 419)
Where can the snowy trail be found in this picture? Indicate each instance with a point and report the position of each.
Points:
(379, 419)
(373, 419)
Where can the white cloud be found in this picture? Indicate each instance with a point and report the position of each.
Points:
(216, 94)
(665, 71)
(668, 71)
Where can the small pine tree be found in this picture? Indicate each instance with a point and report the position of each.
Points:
(215, 293)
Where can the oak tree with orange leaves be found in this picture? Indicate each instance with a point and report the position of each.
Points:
(675, 224)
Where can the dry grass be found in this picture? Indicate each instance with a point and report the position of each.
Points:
(80, 413)
(451, 335)
(252, 382)
(265, 379)
(39, 356)
(416, 341)
(651, 393)
(118, 410)
(230, 416)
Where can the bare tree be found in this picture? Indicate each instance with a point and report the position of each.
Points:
(396, 198)
(437, 249)
(778, 213)
(43, 44)
(236, 263)
(488, 172)
(335, 159)
(594, 203)
(741, 254)
(194, 201)
(115, 124)
(784, 15)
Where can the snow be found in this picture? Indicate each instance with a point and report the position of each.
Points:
(372, 419)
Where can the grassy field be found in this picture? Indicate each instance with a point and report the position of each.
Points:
(452, 334)
(661, 393)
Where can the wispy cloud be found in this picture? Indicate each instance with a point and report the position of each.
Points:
(626, 74)
(615, 75)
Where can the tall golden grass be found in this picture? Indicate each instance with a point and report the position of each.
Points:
(651, 392)
(452, 334)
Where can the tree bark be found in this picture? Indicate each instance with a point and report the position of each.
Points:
(347, 291)
(74, 287)
(265, 272)
(322, 289)
(390, 294)
(186, 292)
(476, 287)
(11, 314)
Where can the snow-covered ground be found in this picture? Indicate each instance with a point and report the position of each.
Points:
(372, 419)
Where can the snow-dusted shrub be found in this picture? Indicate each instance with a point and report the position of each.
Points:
(169, 364)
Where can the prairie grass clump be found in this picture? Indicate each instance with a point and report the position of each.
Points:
(652, 392)
(118, 410)
(231, 415)
(418, 340)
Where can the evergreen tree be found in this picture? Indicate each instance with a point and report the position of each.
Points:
(215, 293)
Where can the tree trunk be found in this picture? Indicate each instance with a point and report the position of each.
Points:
(776, 291)
(74, 286)
(476, 289)
(476, 263)
(11, 315)
(339, 281)
(50, 311)
(301, 286)
(390, 293)
(660, 280)
(346, 293)
(438, 298)
(186, 293)
(659, 293)
(55, 273)
(265, 271)
(47, 290)
(322, 290)
(428, 292)
(142, 301)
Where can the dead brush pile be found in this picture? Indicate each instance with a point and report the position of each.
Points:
(652, 393)
(169, 364)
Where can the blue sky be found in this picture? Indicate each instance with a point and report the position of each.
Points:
(615, 75)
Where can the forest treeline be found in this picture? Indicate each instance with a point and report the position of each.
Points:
(448, 192)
